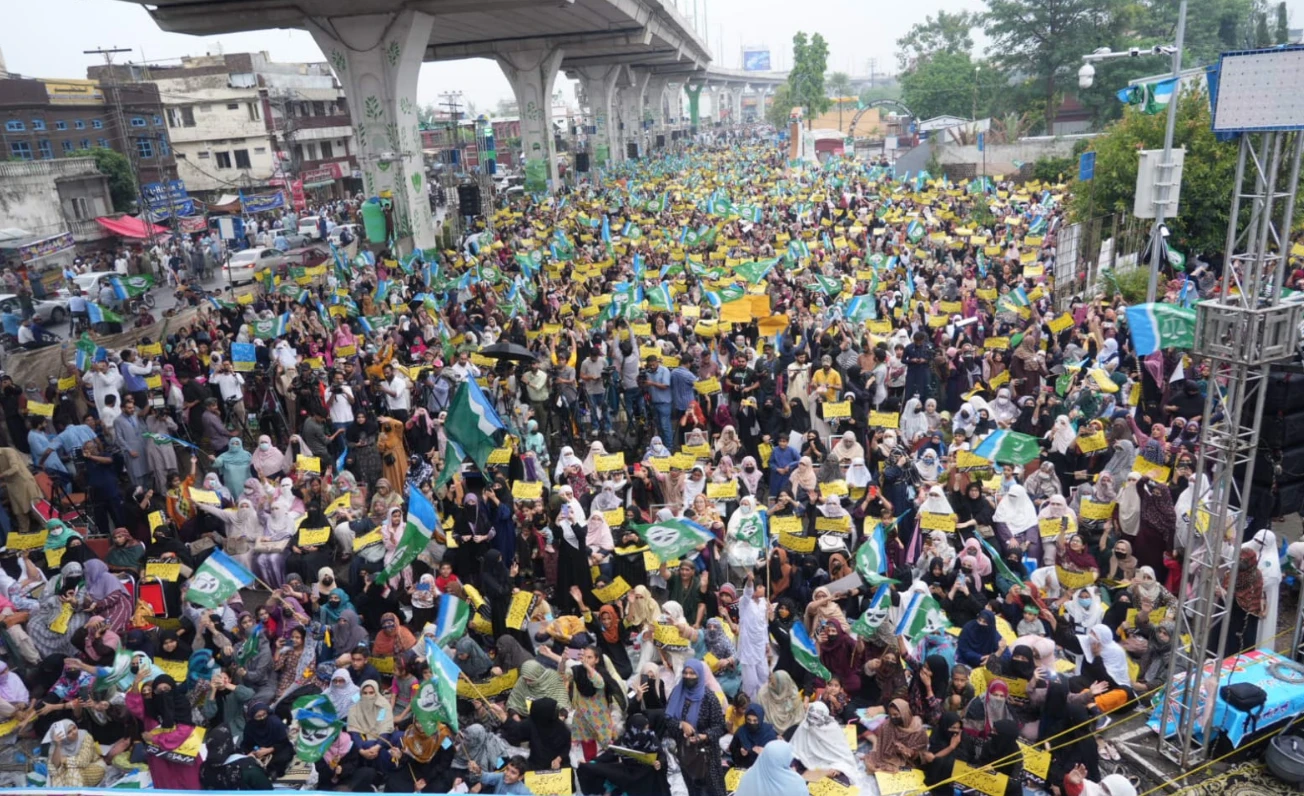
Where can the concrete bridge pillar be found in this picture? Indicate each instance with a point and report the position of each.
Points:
(377, 59)
(532, 74)
(656, 97)
(694, 92)
(599, 83)
(631, 110)
(736, 105)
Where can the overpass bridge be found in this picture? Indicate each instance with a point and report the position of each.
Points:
(626, 53)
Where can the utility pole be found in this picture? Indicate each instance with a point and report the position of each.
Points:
(121, 121)
(873, 64)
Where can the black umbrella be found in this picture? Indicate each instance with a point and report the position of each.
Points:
(510, 351)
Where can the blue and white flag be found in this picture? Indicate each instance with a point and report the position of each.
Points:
(1160, 325)
(217, 580)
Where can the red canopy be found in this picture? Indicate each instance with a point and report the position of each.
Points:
(131, 227)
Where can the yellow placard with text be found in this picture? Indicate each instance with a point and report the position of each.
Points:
(37, 409)
(934, 521)
(725, 491)
(909, 781)
(70, 383)
(527, 490)
(609, 463)
(797, 544)
(308, 464)
(612, 591)
(550, 783)
(707, 386)
(884, 419)
(169, 571)
(833, 524)
(1093, 442)
(1099, 512)
(314, 537)
(838, 409)
(789, 524)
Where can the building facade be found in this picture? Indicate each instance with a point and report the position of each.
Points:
(242, 122)
(55, 203)
(49, 119)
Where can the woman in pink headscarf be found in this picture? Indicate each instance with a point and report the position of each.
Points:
(267, 460)
(974, 563)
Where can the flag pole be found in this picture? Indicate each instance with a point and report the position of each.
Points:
(478, 693)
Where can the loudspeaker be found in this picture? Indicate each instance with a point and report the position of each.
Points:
(631, 150)
(581, 162)
(468, 199)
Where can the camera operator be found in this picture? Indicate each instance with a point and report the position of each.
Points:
(398, 393)
(231, 386)
(537, 393)
(593, 375)
(658, 384)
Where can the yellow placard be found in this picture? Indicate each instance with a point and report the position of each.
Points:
(39, 409)
(1074, 580)
(316, 363)
(154, 382)
(308, 464)
(967, 460)
(150, 350)
(69, 383)
(245, 298)
(830, 787)
(163, 570)
(28, 541)
(314, 537)
(1089, 509)
(54, 560)
(346, 350)
(935, 521)
(518, 611)
(709, 386)
(702, 451)
(1061, 323)
(550, 783)
(1050, 528)
(833, 524)
(489, 688)
(837, 409)
(726, 491)
(1036, 761)
(838, 487)
(500, 456)
(988, 294)
(937, 321)
(1092, 442)
(340, 503)
(366, 541)
(733, 777)
(527, 490)
(384, 664)
(612, 591)
(789, 525)
(60, 623)
(609, 463)
(909, 781)
(1158, 472)
(683, 461)
(989, 782)
(177, 670)
(884, 419)
(797, 544)
(668, 636)
(156, 521)
(950, 307)
(661, 465)
(996, 343)
(204, 496)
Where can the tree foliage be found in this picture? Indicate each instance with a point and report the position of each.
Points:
(810, 60)
(1283, 24)
(122, 180)
(781, 105)
(945, 83)
(1207, 175)
(839, 84)
(948, 33)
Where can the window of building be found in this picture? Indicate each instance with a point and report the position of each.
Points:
(97, 124)
(312, 151)
(85, 143)
(139, 121)
(223, 159)
(163, 148)
(67, 147)
(144, 147)
(158, 120)
(180, 155)
(102, 143)
(79, 124)
(242, 159)
(326, 150)
(233, 106)
(47, 151)
(305, 109)
(318, 108)
(38, 124)
(81, 208)
(202, 156)
(15, 126)
(61, 125)
(20, 150)
(206, 108)
(298, 152)
(260, 150)
(255, 113)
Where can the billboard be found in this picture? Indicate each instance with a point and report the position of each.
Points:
(164, 198)
(756, 59)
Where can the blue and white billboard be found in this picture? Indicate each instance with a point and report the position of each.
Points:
(163, 198)
(757, 60)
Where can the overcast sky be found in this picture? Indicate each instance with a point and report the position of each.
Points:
(46, 38)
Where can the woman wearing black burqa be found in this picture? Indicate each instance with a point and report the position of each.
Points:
(630, 774)
(496, 586)
(572, 562)
(471, 527)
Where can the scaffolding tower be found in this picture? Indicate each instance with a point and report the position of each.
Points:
(1243, 332)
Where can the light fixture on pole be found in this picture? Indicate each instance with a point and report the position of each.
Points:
(1164, 183)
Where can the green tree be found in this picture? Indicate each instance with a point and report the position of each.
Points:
(839, 86)
(945, 83)
(810, 59)
(1207, 173)
(1262, 37)
(1045, 39)
(1212, 26)
(871, 93)
(1283, 24)
(780, 107)
(122, 181)
(948, 33)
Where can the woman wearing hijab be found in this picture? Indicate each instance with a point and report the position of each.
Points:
(372, 716)
(509, 654)
(627, 774)
(1103, 658)
(166, 718)
(1248, 604)
(226, 768)
(751, 737)
(108, 596)
(363, 458)
(267, 460)
(1264, 545)
(782, 702)
(60, 606)
(898, 742)
(347, 634)
(536, 683)
(1158, 522)
(267, 740)
(981, 716)
(73, 759)
(342, 692)
(1043, 483)
(472, 660)
(480, 746)
(773, 775)
(1075, 747)
(548, 736)
(820, 743)
(1015, 523)
(939, 758)
(694, 714)
(979, 640)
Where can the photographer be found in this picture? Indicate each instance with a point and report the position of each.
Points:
(593, 372)
(537, 393)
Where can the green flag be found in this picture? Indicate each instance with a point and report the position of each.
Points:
(828, 284)
(755, 272)
(421, 524)
(673, 539)
(473, 423)
(319, 726)
(436, 700)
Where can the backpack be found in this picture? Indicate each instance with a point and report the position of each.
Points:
(1247, 698)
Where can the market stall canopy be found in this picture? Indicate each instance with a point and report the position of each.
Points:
(228, 203)
(131, 227)
(9, 234)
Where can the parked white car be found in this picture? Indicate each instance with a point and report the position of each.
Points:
(244, 266)
(308, 227)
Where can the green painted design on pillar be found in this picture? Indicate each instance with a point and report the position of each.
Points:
(391, 133)
(405, 105)
(371, 108)
(416, 182)
(392, 52)
(536, 176)
(338, 61)
(694, 94)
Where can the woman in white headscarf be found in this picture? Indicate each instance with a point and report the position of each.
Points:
(744, 536)
(928, 465)
(936, 502)
(569, 503)
(1129, 507)
(848, 448)
(1004, 411)
(1099, 643)
(1015, 521)
(74, 760)
(858, 475)
(914, 424)
(1264, 544)
(566, 461)
(694, 484)
(804, 475)
(1196, 493)
(590, 460)
(966, 421)
(1043, 483)
(1061, 435)
(819, 742)
(607, 499)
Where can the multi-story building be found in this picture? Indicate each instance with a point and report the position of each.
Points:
(242, 122)
(45, 119)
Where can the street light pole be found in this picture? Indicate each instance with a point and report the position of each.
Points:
(1158, 252)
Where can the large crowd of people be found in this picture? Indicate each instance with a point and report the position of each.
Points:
(805, 475)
